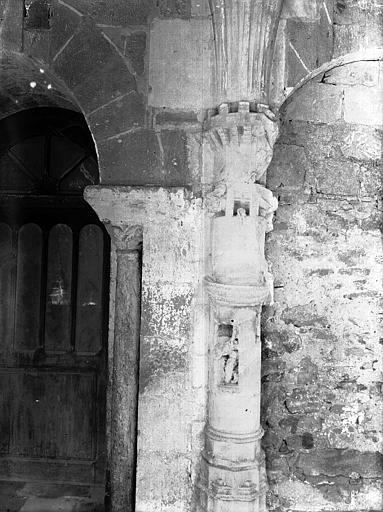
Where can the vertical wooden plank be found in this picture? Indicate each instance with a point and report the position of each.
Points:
(28, 287)
(5, 412)
(7, 269)
(89, 290)
(59, 289)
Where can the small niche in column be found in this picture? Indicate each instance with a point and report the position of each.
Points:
(241, 208)
(228, 373)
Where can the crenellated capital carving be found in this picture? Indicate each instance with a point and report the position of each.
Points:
(242, 139)
(244, 32)
(125, 237)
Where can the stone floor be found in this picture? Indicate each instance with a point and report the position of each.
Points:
(40, 497)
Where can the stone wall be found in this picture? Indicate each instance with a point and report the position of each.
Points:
(322, 368)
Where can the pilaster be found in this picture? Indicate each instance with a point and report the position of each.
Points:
(164, 225)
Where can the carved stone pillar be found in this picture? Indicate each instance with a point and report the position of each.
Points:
(127, 241)
(242, 135)
(241, 208)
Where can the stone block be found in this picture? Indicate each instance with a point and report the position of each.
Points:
(97, 74)
(362, 143)
(303, 315)
(301, 9)
(333, 176)
(335, 462)
(181, 64)
(36, 44)
(64, 23)
(174, 8)
(118, 116)
(135, 49)
(92, 52)
(301, 49)
(287, 168)
(130, 159)
(350, 22)
(309, 41)
(307, 372)
(143, 158)
(316, 102)
(363, 105)
(200, 8)
(38, 14)
(364, 73)
(12, 24)
(114, 12)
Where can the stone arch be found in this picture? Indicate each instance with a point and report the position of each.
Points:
(370, 54)
(74, 64)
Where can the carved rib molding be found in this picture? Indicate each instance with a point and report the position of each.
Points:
(244, 32)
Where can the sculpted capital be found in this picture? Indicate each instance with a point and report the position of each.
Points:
(126, 237)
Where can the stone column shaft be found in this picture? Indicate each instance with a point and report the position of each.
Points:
(124, 393)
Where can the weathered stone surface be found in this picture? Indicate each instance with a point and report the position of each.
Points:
(175, 81)
(351, 19)
(363, 105)
(167, 310)
(87, 61)
(144, 157)
(99, 74)
(303, 316)
(135, 49)
(341, 463)
(288, 167)
(11, 24)
(309, 44)
(306, 9)
(115, 12)
(173, 8)
(316, 241)
(117, 117)
(64, 24)
(160, 356)
(36, 44)
(316, 102)
(200, 8)
(363, 73)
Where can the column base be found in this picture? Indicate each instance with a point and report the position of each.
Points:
(239, 488)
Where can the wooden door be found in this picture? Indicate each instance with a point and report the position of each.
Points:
(54, 261)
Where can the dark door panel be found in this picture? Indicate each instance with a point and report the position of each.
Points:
(54, 287)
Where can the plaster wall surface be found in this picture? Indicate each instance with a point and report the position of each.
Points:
(171, 402)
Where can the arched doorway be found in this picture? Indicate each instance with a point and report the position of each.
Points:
(54, 275)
